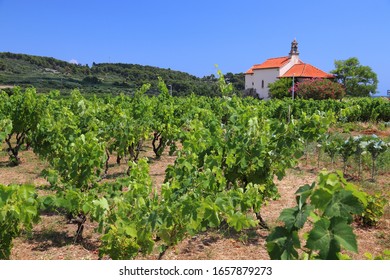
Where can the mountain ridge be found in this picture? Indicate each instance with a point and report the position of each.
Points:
(48, 73)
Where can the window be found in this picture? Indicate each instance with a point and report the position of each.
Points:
(262, 84)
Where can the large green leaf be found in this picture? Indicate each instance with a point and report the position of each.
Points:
(361, 195)
(5, 194)
(320, 198)
(281, 244)
(343, 234)
(328, 235)
(295, 218)
(320, 237)
(303, 193)
(211, 214)
(131, 230)
(343, 204)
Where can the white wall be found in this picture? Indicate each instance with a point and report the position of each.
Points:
(248, 81)
(268, 76)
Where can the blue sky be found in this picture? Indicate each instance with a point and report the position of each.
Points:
(193, 36)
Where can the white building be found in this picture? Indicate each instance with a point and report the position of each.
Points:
(259, 76)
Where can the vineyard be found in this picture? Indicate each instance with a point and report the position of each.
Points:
(140, 177)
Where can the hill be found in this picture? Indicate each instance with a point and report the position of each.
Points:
(46, 73)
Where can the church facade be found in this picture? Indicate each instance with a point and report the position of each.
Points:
(259, 76)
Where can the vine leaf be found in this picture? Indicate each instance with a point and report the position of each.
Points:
(343, 204)
(281, 244)
(328, 235)
(321, 198)
(303, 193)
(239, 221)
(295, 218)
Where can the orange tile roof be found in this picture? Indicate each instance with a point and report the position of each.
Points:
(305, 70)
(250, 71)
(276, 62)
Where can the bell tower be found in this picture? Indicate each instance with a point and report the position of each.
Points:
(294, 54)
(294, 48)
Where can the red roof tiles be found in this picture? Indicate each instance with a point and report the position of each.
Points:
(305, 70)
(276, 62)
(250, 71)
(300, 69)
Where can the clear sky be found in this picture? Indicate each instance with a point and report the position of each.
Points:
(193, 36)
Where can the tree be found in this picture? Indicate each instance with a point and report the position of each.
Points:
(280, 88)
(357, 79)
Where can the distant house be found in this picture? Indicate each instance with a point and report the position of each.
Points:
(259, 76)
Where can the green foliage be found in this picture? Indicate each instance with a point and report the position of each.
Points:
(226, 88)
(368, 109)
(125, 123)
(375, 146)
(374, 210)
(91, 80)
(319, 89)
(359, 146)
(72, 136)
(384, 256)
(237, 80)
(231, 153)
(327, 236)
(128, 219)
(24, 110)
(82, 162)
(358, 80)
(280, 88)
(347, 149)
(313, 127)
(165, 124)
(68, 137)
(5, 129)
(18, 211)
(4, 99)
(330, 205)
(232, 149)
(223, 172)
(332, 145)
(46, 74)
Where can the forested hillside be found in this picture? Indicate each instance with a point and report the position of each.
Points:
(46, 73)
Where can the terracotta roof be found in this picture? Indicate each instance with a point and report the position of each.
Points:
(250, 71)
(276, 62)
(305, 70)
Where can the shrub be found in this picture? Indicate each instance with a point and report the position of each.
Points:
(374, 210)
(319, 89)
(280, 88)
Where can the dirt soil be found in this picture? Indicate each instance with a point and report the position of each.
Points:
(52, 238)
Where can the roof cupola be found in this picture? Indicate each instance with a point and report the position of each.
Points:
(294, 48)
